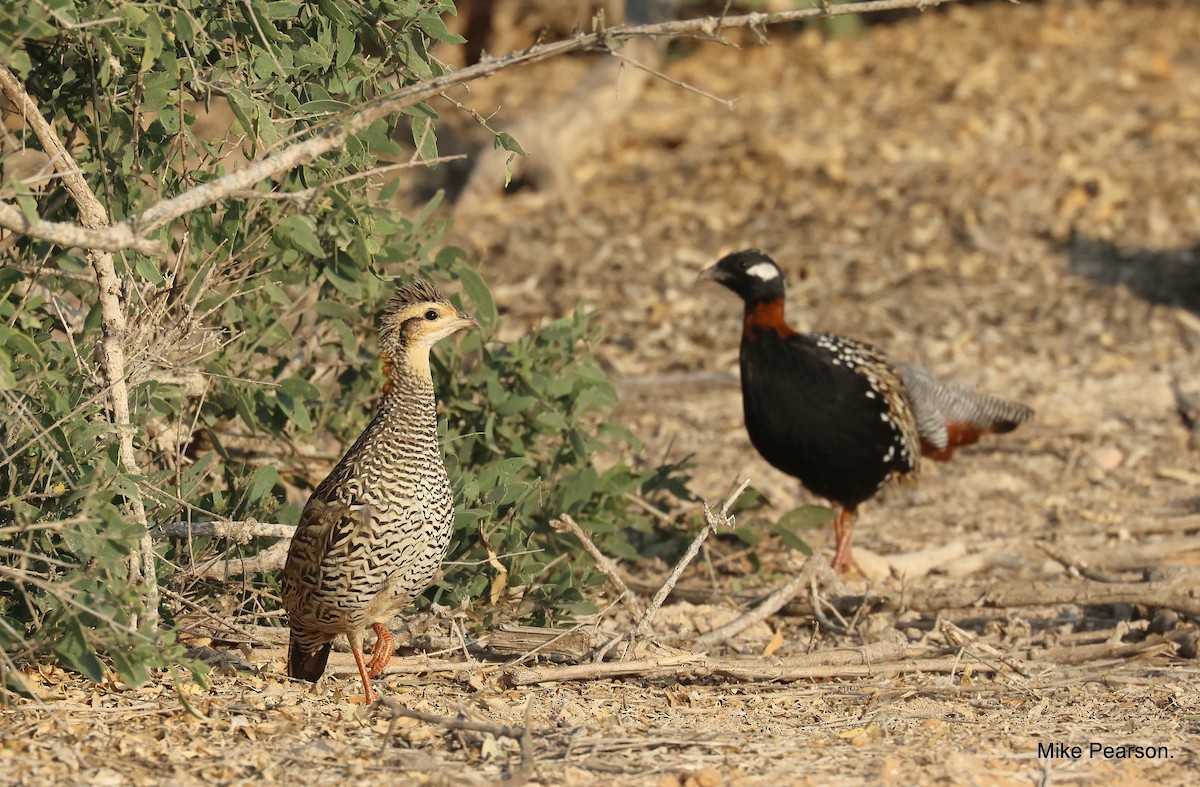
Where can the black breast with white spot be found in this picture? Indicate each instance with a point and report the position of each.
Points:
(828, 410)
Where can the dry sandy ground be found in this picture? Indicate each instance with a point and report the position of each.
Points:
(1008, 194)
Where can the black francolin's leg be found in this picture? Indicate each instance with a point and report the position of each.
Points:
(843, 529)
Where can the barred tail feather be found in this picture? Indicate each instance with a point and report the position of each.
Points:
(952, 414)
(307, 665)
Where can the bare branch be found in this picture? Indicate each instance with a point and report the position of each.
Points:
(776, 601)
(239, 531)
(896, 655)
(67, 235)
(270, 559)
(337, 132)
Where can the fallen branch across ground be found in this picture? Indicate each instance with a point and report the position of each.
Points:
(1181, 595)
(697, 668)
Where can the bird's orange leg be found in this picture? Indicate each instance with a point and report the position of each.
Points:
(369, 693)
(843, 529)
(384, 648)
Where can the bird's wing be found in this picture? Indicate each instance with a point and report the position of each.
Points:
(322, 526)
(950, 414)
(885, 381)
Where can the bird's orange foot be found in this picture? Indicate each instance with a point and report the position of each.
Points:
(844, 564)
(385, 646)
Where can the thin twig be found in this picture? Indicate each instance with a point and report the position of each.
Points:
(1079, 566)
(565, 524)
(967, 641)
(398, 710)
(712, 522)
(774, 602)
(223, 623)
(725, 102)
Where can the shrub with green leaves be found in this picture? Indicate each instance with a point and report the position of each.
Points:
(253, 343)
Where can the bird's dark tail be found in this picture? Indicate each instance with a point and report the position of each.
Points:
(305, 664)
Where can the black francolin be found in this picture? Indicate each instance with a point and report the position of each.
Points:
(839, 414)
(376, 529)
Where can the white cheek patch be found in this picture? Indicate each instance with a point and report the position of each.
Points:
(763, 270)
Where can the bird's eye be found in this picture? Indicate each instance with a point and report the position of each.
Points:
(431, 315)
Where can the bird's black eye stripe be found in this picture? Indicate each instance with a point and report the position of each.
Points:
(431, 315)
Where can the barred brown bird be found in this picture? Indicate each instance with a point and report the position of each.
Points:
(376, 529)
(837, 413)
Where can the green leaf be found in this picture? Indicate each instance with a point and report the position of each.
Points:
(341, 281)
(791, 524)
(282, 9)
(323, 107)
(299, 388)
(73, 648)
(262, 481)
(131, 666)
(805, 518)
(434, 27)
(145, 267)
(424, 138)
(481, 297)
(509, 142)
(299, 232)
(8, 380)
(153, 42)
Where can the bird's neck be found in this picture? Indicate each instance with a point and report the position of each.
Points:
(409, 382)
(763, 316)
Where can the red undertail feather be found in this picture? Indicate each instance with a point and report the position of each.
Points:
(958, 434)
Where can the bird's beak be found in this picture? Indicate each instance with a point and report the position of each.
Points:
(711, 273)
(467, 320)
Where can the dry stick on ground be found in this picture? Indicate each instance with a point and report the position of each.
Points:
(523, 734)
(93, 216)
(966, 641)
(1080, 566)
(565, 524)
(680, 668)
(1181, 595)
(774, 602)
(335, 134)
